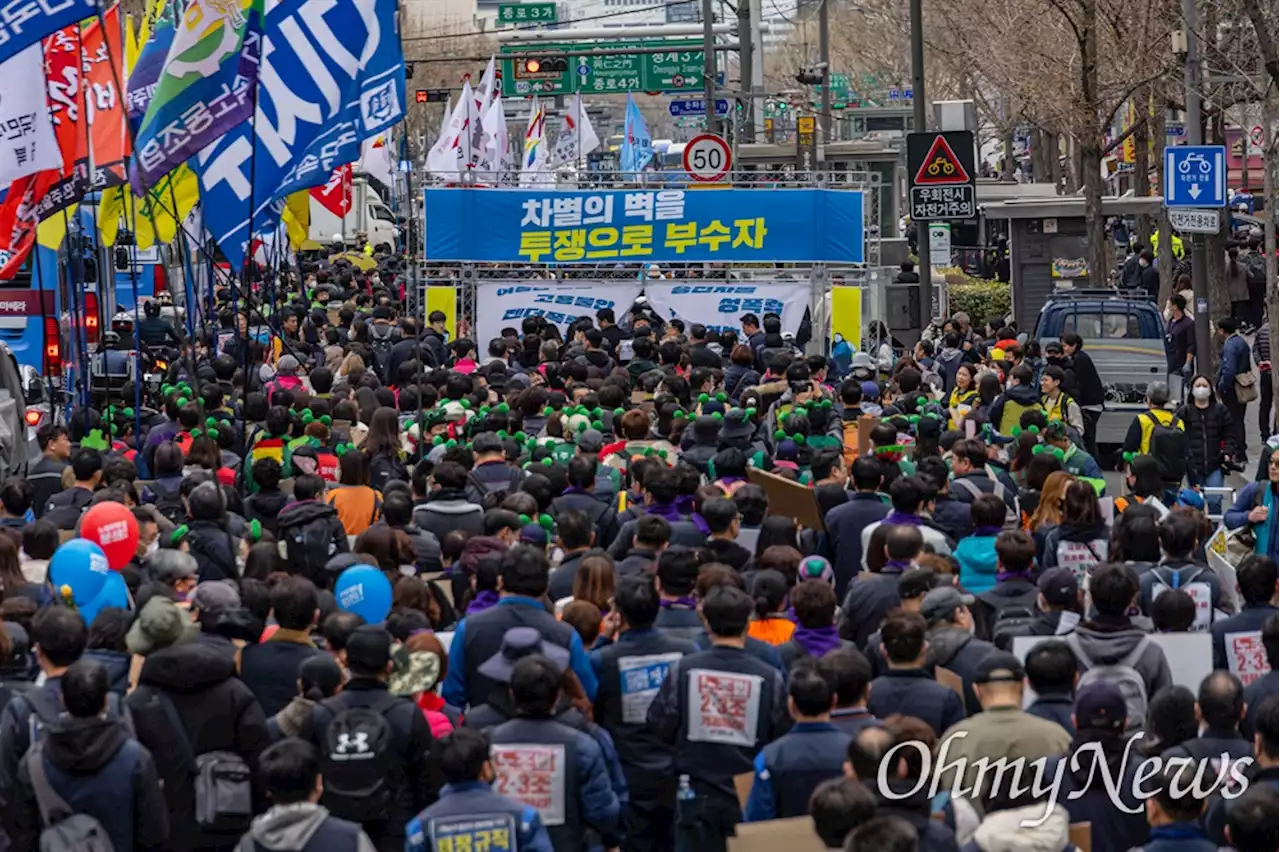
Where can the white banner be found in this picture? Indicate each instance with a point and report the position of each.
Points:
(721, 306)
(503, 304)
(27, 143)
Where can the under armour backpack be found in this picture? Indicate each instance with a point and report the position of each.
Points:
(1169, 447)
(357, 760)
(1121, 674)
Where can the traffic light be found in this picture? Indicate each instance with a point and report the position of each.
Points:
(540, 67)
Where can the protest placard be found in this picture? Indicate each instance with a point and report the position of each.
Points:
(724, 707)
(533, 774)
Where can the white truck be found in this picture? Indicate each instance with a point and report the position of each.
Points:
(368, 215)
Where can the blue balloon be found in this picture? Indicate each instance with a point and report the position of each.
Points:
(80, 564)
(114, 593)
(366, 591)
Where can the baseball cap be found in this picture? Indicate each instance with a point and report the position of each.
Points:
(369, 649)
(870, 390)
(590, 440)
(999, 667)
(1059, 586)
(1192, 498)
(915, 583)
(1101, 706)
(942, 601)
(487, 442)
(215, 596)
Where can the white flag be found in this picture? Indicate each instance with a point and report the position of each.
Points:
(533, 162)
(577, 137)
(483, 96)
(375, 160)
(29, 144)
(452, 152)
(437, 163)
(496, 160)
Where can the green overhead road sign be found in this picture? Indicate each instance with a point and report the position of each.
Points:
(527, 13)
(545, 70)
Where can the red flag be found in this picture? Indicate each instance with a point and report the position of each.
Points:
(335, 195)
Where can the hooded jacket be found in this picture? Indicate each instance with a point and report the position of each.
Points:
(265, 507)
(1075, 547)
(948, 363)
(449, 510)
(976, 555)
(117, 665)
(306, 827)
(1107, 641)
(312, 534)
(99, 770)
(1008, 407)
(958, 651)
(217, 712)
(214, 551)
(1013, 830)
(64, 508)
(1209, 436)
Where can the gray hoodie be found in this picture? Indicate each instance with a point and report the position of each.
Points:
(289, 828)
(1107, 644)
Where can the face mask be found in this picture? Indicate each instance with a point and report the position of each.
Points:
(153, 547)
(1201, 393)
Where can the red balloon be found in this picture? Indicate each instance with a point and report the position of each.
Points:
(114, 528)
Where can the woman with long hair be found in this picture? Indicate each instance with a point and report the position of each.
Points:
(963, 395)
(1135, 538)
(358, 504)
(594, 582)
(382, 445)
(1081, 540)
(1144, 481)
(1048, 512)
(1037, 470)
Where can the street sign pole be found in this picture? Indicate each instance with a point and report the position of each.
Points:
(918, 108)
(1195, 136)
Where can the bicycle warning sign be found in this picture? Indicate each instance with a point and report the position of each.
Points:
(942, 170)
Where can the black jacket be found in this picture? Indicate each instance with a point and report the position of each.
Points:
(844, 534)
(417, 783)
(383, 468)
(728, 552)
(1209, 436)
(1054, 707)
(560, 585)
(270, 669)
(914, 692)
(869, 599)
(65, 507)
(701, 355)
(45, 479)
(602, 514)
(1088, 383)
(312, 534)
(636, 562)
(217, 712)
(957, 650)
(214, 551)
(265, 507)
(100, 770)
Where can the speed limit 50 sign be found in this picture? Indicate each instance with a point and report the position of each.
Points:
(707, 158)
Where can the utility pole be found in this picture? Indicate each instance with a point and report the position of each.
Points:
(919, 106)
(1195, 136)
(824, 57)
(709, 66)
(746, 73)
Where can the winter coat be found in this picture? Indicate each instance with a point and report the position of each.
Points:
(914, 692)
(844, 533)
(270, 668)
(1015, 830)
(304, 827)
(117, 665)
(313, 521)
(214, 551)
(265, 507)
(738, 378)
(98, 769)
(449, 510)
(1002, 731)
(217, 712)
(1107, 641)
(957, 650)
(385, 467)
(1112, 829)
(1210, 436)
(976, 555)
(64, 508)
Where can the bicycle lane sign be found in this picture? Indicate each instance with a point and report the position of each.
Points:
(1195, 176)
(942, 172)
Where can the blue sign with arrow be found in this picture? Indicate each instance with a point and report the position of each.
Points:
(1195, 176)
(695, 106)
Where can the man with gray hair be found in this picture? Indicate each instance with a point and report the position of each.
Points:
(1159, 433)
(173, 575)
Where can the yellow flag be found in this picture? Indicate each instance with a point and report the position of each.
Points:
(52, 231)
(154, 218)
(297, 217)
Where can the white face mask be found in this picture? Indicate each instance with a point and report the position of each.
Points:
(1201, 392)
(153, 547)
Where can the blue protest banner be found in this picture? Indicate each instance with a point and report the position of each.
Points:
(641, 226)
(25, 22)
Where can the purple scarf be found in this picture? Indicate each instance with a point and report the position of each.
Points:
(701, 523)
(685, 504)
(817, 641)
(987, 531)
(665, 510)
(895, 517)
(896, 566)
(1002, 576)
(686, 603)
(481, 602)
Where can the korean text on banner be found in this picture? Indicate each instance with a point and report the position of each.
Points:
(28, 145)
(724, 708)
(332, 75)
(644, 226)
(472, 833)
(641, 679)
(28, 21)
(535, 775)
(1246, 655)
(719, 306)
(506, 303)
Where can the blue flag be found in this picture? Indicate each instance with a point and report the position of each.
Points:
(328, 81)
(637, 144)
(26, 22)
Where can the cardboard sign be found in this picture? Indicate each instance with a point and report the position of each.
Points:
(724, 707)
(742, 786)
(533, 774)
(790, 499)
(1246, 656)
(1081, 835)
(795, 835)
(950, 680)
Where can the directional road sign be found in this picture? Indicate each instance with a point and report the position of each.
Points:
(707, 158)
(529, 69)
(539, 13)
(1195, 176)
(695, 106)
(1194, 220)
(942, 170)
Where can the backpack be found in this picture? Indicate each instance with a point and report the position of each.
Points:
(1120, 674)
(169, 503)
(510, 486)
(1202, 593)
(1012, 617)
(357, 760)
(1169, 447)
(381, 339)
(307, 547)
(221, 780)
(64, 829)
(1012, 522)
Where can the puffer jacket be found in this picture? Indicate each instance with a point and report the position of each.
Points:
(1021, 830)
(1209, 436)
(738, 378)
(214, 551)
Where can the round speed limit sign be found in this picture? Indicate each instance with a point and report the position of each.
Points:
(707, 158)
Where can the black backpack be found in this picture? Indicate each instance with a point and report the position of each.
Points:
(221, 781)
(1169, 447)
(308, 546)
(1011, 616)
(382, 337)
(64, 829)
(358, 760)
(169, 503)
